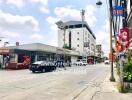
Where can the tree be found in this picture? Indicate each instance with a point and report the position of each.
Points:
(66, 46)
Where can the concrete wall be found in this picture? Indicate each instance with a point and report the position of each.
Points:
(73, 59)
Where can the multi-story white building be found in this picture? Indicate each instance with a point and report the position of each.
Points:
(79, 37)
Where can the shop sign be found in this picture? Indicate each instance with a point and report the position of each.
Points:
(4, 50)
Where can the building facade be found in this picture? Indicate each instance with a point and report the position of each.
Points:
(99, 53)
(99, 50)
(78, 37)
(33, 52)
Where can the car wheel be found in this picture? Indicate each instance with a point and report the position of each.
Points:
(43, 70)
(55, 68)
(33, 71)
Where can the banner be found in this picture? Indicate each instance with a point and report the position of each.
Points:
(119, 46)
(125, 37)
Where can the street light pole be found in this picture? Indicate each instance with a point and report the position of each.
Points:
(99, 3)
(111, 52)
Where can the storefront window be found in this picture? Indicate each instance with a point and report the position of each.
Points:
(12, 58)
(20, 58)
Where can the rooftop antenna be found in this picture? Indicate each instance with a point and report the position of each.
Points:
(83, 14)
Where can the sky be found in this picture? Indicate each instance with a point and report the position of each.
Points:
(31, 21)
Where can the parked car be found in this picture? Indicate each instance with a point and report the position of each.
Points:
(106, 62)
(84, 62)
(42, 66)
(81, 63)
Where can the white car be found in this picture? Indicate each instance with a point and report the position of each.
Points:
(106, 62)
(81, 63)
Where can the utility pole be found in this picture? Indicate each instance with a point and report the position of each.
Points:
(111, 51)
(83, 15)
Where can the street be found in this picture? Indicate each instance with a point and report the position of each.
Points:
(75, 83)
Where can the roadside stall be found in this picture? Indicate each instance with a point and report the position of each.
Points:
(14, 59)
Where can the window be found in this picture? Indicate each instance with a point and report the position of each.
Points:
(77, 38)
(85, 32)
(78, 45)
(88, 36)
(77, 32)
(85, 38)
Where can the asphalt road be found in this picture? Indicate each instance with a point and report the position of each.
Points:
(75, 83)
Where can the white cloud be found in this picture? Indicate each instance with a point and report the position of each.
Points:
(67, 13)
(103, 37)
(17, 3)
(106, 25)
(70, 13)
(43, 5)
(17, 28)
(51, 37)
(52, 20)
(36, 36)
(1, 1)
(10, 34)
(43, 2)
(44, 10)
(89, 15)
(18, 23)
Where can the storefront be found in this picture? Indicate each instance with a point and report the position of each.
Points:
(20, 57)
(15, 58)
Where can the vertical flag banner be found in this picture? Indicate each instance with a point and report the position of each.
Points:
(125, 37)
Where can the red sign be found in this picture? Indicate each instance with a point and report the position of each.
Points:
(111, 57)
(118, 12)
(119, 46)
(125, 37)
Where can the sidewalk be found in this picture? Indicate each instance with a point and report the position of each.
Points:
(109, 91)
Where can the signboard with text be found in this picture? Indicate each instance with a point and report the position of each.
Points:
(117, 11)
(4, 51)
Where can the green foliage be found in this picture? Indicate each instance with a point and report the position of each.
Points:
(118, 70)
(127, 70)
(128, 76)
(66, 46)
(121, 88)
